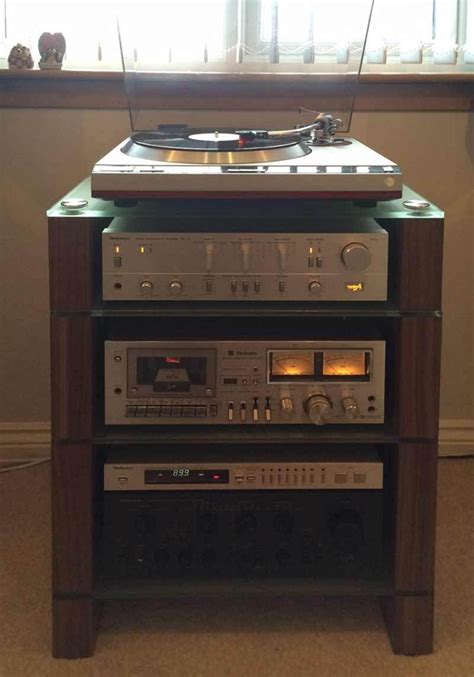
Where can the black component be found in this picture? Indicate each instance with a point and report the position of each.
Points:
(179, 139)
(199, 534)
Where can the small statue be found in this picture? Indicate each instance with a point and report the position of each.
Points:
(20, 57)
(52, 49)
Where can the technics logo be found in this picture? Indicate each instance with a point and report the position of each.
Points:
(243, 353)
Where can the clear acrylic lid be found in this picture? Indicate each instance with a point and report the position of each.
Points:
(277, 41)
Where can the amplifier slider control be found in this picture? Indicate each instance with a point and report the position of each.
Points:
(356, 256)
(243, 411)
(318, 407)
(230, 411)
(146, 284)
(314, 288)
(176, 287)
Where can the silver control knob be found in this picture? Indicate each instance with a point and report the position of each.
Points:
(146, 284)
(318, 407)
(314, 288)
(176, 287)
(356, 256)
(287, 407)
(350, 406)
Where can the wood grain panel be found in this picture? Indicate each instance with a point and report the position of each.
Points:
(236, 91)
(72, 498)
(75, 623)
(409, 621)
(74, 259)
(416, 258)
(72, 378)
(417, 375)
(414, 515)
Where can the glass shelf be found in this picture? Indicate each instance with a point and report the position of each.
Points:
(99, 208)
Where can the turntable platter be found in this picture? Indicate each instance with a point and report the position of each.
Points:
(212, 147)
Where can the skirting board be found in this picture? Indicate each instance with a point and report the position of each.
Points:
(26, 441)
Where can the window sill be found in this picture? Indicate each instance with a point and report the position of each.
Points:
(105, 90)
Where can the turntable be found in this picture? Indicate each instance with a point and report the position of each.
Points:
(308, 160)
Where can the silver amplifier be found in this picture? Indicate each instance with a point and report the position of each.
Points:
(335, 262)
(244, 382)
(362, 471)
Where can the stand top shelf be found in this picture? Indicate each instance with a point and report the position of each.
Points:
(99, 208)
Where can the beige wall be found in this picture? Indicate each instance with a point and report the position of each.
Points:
(43, 153)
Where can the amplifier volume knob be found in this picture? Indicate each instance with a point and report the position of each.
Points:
(356, 256)
(287, 407)
(146, 284)
(350, 406)
(318, 407)
(176, 287)
(314, 288)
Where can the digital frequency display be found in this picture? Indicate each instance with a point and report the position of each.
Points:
(184, 475)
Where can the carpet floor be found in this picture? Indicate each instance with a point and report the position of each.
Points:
(277, 637)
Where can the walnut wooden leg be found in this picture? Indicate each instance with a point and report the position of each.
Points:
(75, 625)
(409, 621)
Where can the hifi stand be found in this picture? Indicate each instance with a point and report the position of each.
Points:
(410, 324)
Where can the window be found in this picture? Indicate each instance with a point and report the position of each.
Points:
(250, 35)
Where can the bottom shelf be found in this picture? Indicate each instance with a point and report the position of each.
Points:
(139, 589)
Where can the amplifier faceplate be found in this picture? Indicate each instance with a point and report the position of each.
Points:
(343, 264)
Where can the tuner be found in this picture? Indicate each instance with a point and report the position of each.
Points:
(356, 256)
(176, 287)
(318, 407)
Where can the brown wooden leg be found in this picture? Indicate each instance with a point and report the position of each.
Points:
(409, 621)
(75, 624)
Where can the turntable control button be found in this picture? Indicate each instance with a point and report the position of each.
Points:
(363, 170)
(281, 286)
(233, 286)
(176, 287)
(388, 170)
(334, 170)
(147, 285)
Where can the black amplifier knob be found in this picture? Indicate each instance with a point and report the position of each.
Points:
(207, 523)
(347, 532)
(284, 523)
(245, 522)
(144, 523)
(162, 557)
(185, 557)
